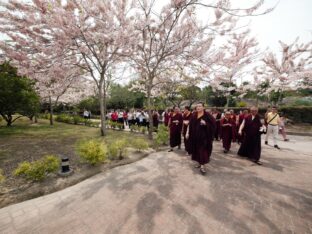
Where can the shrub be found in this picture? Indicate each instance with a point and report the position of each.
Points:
(143, 129)
(140, 144)
(44, 116)
(52, 163)
(77, 119)
(117, 150)
(242, 104)
(162, 135)
(38, 170)
(2, 177)
(120, 126)
(92, 151)
(64, 118)
(87, 122)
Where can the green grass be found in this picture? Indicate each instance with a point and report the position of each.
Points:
(27, 141)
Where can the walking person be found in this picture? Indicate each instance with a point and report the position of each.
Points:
(155, 116)
(228, 129)
(200, 134)
(251, 145)
(186, 120)
(217, 115)
(175, 128)
(272, 121)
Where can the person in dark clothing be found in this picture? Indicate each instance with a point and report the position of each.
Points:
(175, 128)
(228, 129)
(251, 145)
(186, 120)
(200, 134)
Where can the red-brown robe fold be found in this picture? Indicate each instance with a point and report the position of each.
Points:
(228, 133)
(201, 137)
(155, 121)
(186, 141)
(217, 117)
(251, 146)
(166, 118)
(175, 125)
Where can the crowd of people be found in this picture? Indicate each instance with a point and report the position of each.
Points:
(201, 127)
(134, 117)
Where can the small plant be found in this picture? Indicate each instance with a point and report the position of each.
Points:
(140, 144)
(64, 118)
(162, 135)
(117, 150)
(92, 151)
(2, 177)
(52, 163)
(38, 170)
(77, 119)
(120, 126)
(87, 122)
(143, 129)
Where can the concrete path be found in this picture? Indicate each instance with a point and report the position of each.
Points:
(163, 193)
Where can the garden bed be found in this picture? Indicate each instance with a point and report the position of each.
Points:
(29, 142)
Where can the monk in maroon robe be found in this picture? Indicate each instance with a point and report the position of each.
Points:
(166, 117)
(155, 116)
(251, 146)
(201, 133)
(241, 117)
(186, 120)
(228, 129)
(175, 128)
(217, 115)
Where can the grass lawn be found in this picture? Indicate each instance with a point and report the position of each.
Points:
(25, 141)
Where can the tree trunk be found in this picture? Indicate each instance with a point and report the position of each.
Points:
(51, 111)
(227, 101)
(150, 130)
(9, 120)
(36, 119)
(102, 109)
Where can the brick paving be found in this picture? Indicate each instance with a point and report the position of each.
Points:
(163, 193)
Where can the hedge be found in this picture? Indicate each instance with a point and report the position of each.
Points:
(299, 114)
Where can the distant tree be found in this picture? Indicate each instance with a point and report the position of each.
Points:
(17, 95)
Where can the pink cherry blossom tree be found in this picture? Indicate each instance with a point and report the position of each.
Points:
(290, 70)
(240, 51)
(94, 34)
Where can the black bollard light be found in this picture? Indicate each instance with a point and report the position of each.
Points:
(65, 169)
(65, 165)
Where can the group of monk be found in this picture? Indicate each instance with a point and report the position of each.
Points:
(200, 127)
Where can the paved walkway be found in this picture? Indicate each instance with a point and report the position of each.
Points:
(163, 193)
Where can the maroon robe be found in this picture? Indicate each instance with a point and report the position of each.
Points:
(166, 120)
(175, 125)
(186, 141)
(228, 133)
(251, 146)
(155, 121)
(201, 137)
(217, 117)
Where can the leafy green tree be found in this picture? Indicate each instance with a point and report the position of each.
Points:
(17, 95)
(122, 97)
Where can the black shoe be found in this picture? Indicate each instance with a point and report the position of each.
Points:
(258, 162)
(276, 146)
(266, 142)
(286, 139)
(225, 151)
(170, 150)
